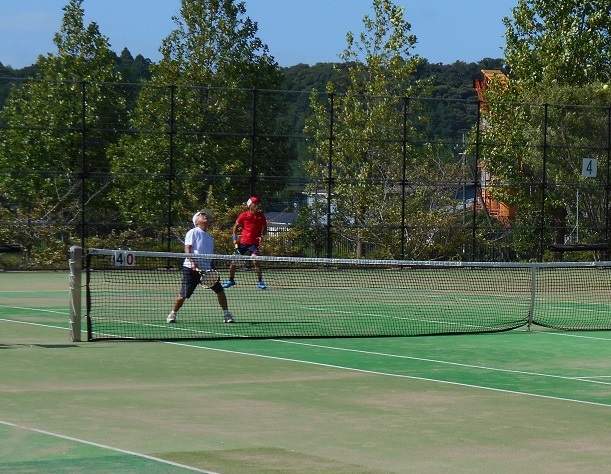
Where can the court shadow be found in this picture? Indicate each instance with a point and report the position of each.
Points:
(56, 346)
(44, 346)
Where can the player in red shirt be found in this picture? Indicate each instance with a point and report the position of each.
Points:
(253, 226)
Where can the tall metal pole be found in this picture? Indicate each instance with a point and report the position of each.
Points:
(542, 186)
(477, 192)
(172, 131)
(330, 176)
(608, 182)
(83, 162)
(253, 139)
(404, 177)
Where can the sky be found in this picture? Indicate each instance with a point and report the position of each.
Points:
(296, 31)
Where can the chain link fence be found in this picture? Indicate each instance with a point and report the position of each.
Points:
(125, 166)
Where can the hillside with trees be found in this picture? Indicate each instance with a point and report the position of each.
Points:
(448, 81)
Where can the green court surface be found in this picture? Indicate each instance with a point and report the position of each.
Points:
(535, 401)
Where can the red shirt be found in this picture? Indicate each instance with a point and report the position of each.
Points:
(252, 225)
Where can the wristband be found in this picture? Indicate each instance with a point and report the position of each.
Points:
(234, 238)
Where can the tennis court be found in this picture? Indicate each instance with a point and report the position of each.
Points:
(516, 401)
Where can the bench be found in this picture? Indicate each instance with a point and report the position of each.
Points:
(596, 248)
(10, 248)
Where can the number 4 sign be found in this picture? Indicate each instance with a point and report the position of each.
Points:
(589, 167)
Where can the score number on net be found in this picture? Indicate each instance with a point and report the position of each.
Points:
(123, 258)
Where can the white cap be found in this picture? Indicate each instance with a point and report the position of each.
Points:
(198, 213)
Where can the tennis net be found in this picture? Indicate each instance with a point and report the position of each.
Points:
(130, 293)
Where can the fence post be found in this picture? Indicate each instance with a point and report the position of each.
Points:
(477, 191)
(330, 179)
(172, 133)
(607, 183)
(83, 171)
(542, 186)
(404, 177)
(75, 263)
(253, 140)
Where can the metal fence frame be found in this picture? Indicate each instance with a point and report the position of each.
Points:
(251, 182)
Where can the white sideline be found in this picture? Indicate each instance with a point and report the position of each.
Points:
(98, 445)
(411, 377)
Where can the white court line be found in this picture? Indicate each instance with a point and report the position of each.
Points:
(563, 334)
(445, 362)
(33, 309)
(89, 442)
(10, 292)
(334, 367)
(411, 377)
(387, 374)
(103, 446)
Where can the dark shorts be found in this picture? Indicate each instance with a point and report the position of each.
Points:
(248, 249)
(190, 280)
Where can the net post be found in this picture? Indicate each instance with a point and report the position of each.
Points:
(533, 295)
(75, 263)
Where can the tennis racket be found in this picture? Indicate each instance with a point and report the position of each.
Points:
(240, 263)
(209, 278)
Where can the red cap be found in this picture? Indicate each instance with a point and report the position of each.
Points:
(253, 200)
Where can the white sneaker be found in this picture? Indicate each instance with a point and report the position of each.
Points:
(171, 317)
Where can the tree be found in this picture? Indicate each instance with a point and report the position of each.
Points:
(532, 144)
(551, 42)
(366, 150)
(133, 69)
(452, 114)
(55, 136)
(195, 119)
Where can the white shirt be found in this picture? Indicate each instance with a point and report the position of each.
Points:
(201, 242)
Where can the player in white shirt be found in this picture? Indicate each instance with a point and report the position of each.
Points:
(198, 241)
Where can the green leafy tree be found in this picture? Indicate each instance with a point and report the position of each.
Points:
(533, 140)
(55, 126)
(194, 120)
(132, 69)
(368, 153)
(566, 42)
